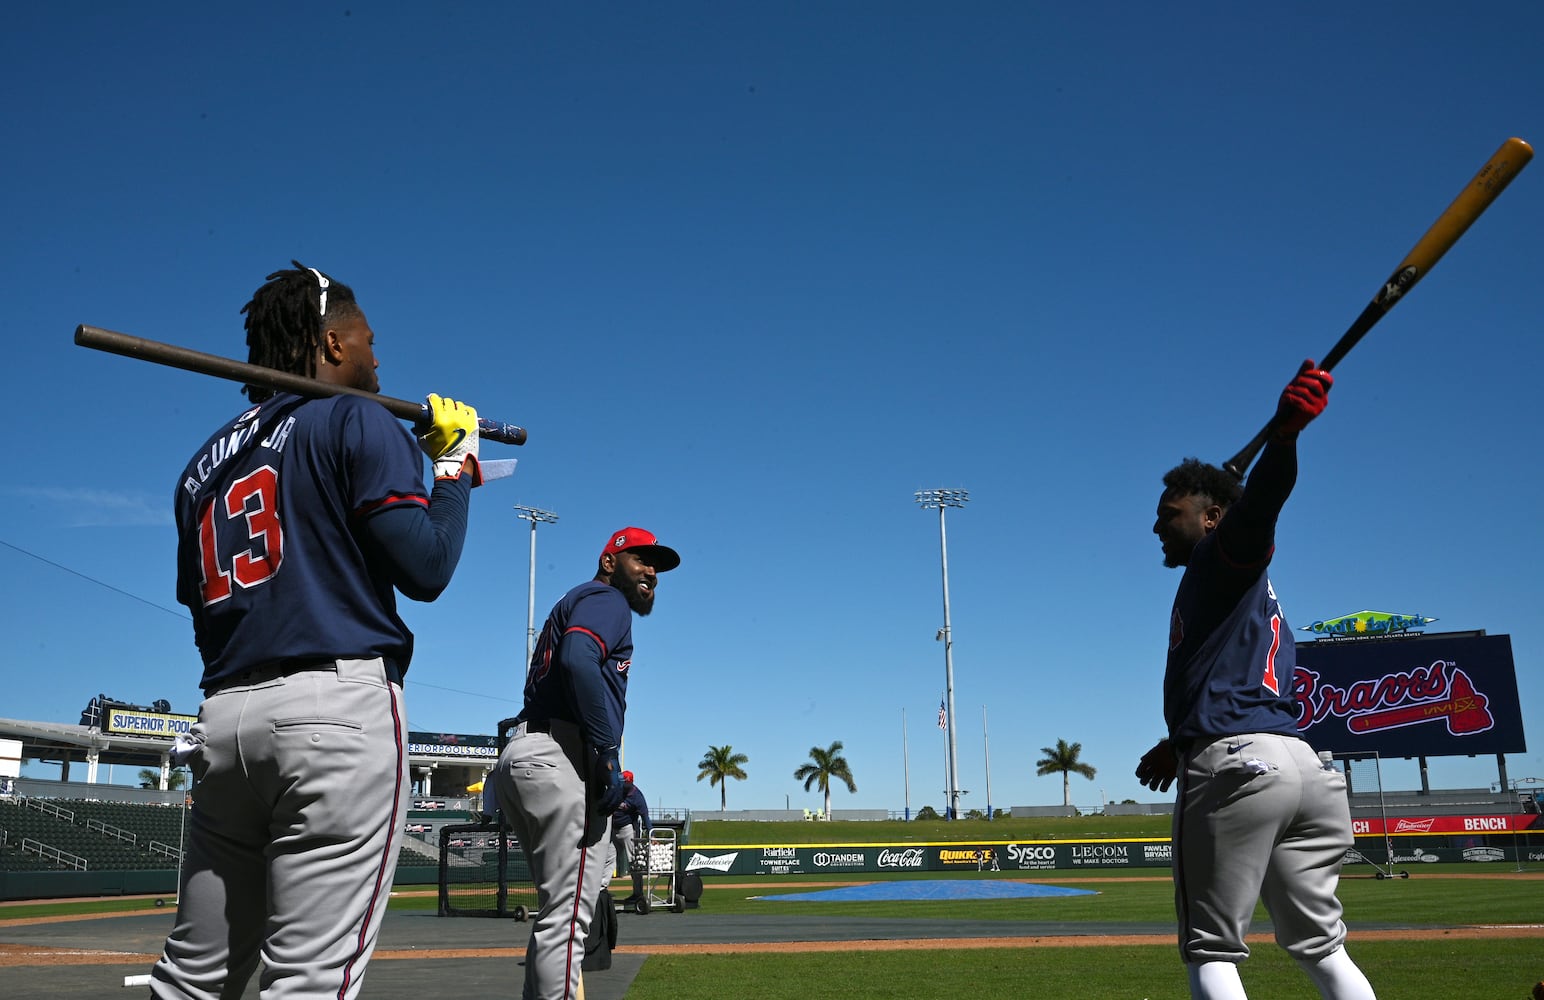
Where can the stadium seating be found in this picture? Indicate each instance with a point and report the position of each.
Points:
(64, 827)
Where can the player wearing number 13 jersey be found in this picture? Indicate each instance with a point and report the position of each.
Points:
(1261, 815)
(296, 523)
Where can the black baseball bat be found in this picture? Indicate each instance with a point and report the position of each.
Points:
(269, 378)
(1492, 179)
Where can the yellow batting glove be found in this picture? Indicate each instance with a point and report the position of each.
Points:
(450, 439)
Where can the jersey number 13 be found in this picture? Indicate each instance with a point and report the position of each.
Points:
(244, 541)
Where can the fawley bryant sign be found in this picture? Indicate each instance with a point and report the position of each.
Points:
(1428, 696)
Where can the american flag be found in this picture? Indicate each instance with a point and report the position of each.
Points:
(943, 715)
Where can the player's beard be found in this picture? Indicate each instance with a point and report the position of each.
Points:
(641, 603)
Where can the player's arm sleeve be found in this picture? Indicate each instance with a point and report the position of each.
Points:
(421, 547)
(581, 659)
(643, 813)
(1247, 534)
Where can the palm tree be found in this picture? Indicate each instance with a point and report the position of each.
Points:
(720, 763)
(822, 767)
(150, 777)
(1064, 758)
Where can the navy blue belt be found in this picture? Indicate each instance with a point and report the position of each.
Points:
(283, 668)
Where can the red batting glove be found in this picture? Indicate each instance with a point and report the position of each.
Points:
(1303, 399)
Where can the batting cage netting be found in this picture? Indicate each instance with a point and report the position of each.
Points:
(1364, 787)
(483, 873)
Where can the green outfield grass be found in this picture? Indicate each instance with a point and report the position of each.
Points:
(1493, 969)
(1453, 970)
(1424, 900)
(82, 907)
(1429, 900)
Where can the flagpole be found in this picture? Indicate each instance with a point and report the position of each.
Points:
(943, 727)
(987, 746)
(906, 765)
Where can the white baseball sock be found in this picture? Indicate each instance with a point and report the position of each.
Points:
(1338, 978)
(1215, 981)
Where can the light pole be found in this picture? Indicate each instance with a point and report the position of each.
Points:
(536, 516)
(942, 499)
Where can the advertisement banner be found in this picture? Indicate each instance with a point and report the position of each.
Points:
(140, 722)
(474, 748)
(1448, 838)
(996, 857)
(1435, 695)
(1447, 824)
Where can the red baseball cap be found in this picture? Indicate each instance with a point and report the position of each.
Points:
(627, 776)
(663, 556)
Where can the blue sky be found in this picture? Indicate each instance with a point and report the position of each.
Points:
(754, 274)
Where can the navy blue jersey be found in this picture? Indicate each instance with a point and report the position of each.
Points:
(599, 611)
(1231, 655)
(271, 556)
(633, 811)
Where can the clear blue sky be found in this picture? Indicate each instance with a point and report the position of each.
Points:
(752, 274)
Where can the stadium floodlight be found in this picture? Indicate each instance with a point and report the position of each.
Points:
(943, 499)
(536, 516)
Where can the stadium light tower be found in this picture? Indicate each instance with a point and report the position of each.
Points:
(536, 516)
(943, 499)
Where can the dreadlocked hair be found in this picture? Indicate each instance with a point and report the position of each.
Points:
(285, 322)
(1193, 477)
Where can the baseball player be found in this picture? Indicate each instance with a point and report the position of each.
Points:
(630, 828)
(295, 522)
(558, 780)
(1260, 814)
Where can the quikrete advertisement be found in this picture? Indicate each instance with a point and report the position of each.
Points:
(1440, 838)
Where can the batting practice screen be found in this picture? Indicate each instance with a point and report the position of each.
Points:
(1434, 695)
(483, 873)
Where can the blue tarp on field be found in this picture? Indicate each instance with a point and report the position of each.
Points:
(931, 889)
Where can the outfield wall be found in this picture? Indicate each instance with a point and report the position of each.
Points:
(1516, 840)
(1477, 839)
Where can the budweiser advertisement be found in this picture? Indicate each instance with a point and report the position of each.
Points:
(1423, 696)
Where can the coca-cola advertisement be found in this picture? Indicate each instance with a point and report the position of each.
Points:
(1434, 695)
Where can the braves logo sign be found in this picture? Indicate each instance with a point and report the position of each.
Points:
(1441, 691)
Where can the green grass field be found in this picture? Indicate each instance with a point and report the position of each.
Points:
(1451, 970)
(1450, 967)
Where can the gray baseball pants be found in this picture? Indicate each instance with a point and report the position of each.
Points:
(1260, 817)
(299, 799)
(540, 786)
(624, 856)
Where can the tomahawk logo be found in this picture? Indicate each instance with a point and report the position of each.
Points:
(1406, 698)
(718, 863)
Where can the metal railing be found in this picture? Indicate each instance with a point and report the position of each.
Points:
(156, 847)
(53, 853)
(112, 831)
(48, 807)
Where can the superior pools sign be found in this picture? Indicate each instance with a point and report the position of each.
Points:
(142, 723)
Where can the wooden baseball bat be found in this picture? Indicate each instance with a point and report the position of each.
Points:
(1492, 179)
(270, 378)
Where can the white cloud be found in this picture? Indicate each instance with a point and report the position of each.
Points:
(93, 508)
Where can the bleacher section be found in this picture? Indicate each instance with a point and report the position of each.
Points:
(1446, 802)
(102, 835)
(419, 861)
(139, 837)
